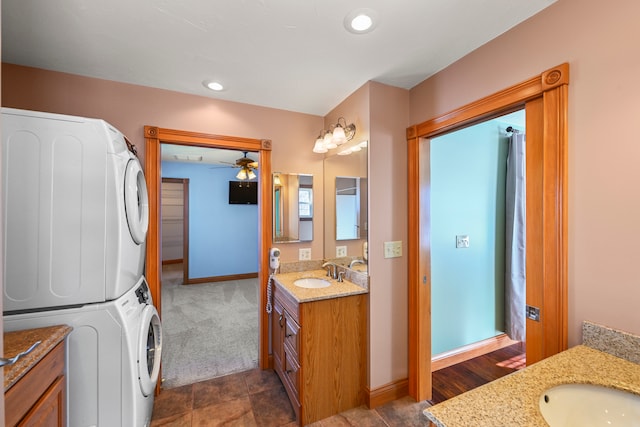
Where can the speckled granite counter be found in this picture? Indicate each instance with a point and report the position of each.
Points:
(19, 341)
(513, 400)
(337, 289)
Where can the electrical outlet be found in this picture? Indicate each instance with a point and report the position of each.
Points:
(341, 251)
(462, 241)
(393, 249)
(304, 254)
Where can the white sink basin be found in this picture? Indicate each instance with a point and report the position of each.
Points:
(570, 405)
(312, 282)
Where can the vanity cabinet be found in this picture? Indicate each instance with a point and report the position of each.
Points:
(319, 353)
(38, 398)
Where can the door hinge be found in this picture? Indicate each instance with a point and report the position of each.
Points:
(532, 313)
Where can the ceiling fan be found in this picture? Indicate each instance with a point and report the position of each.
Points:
(247, 166)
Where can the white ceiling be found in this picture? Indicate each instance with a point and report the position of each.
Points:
(214, 156)
(289, 54)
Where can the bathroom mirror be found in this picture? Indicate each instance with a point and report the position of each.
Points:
(348, 207)
(346, 202)
(292, 207)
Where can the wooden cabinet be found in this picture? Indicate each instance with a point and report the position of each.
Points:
(319, 352)
(38, 398)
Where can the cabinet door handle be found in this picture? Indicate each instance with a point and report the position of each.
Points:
(280, 319)
(14, 359)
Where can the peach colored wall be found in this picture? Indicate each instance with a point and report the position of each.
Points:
(600, 42)
(381, 115)
(130, 108)
(354, 109)
(388, 346)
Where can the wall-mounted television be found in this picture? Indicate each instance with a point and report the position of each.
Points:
(243, 193)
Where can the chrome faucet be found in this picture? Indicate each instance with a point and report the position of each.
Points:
(332, 270)
(356, 261)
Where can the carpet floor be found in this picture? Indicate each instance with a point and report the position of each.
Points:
(209, 330)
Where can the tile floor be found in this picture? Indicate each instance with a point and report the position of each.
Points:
(257, 398)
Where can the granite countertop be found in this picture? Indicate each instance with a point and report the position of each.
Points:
(18, 341)
(337, 289)
(513, 400)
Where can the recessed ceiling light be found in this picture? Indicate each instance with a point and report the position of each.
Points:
(213, 85)
(361, 21)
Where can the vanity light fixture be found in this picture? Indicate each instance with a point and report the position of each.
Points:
(337, 135)
(346, 150)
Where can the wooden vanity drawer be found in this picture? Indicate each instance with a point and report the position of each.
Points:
(292, 370)
(291, 335)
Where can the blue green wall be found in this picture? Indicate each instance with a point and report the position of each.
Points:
(467, 198)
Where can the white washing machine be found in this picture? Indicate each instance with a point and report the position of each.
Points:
(113, 357)
(75, 211)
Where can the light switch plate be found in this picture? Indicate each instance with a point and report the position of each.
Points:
(304, 254)
(462, 241)
(393, 249)
(341, 251)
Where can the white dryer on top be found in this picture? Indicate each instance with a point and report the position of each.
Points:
(75, 211)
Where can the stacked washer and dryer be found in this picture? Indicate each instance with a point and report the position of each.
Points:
(75, 221)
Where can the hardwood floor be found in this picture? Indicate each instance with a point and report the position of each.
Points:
(257, 398)
(457, 379)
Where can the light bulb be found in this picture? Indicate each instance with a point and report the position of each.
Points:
(328, 140)
(242, 175)
(339, 137)
(319, 146)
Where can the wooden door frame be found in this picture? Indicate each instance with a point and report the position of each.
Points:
(154, 136)
(185, 223)
(545, 97)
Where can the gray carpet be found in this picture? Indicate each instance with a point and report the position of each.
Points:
(209, 330)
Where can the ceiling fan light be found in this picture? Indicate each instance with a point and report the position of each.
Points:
(242, 175)
(250, 174)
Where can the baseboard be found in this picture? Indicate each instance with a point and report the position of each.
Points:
(470, 351)
(201, 280)
(172, 261)
(387, 393)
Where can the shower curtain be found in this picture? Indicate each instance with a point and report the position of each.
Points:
(515, 245)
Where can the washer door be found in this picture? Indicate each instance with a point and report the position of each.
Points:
(136, 201)
(149, 350)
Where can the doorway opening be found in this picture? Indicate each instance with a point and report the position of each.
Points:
(209, 265)
(545, 100)
(154, 137)
(477, 240)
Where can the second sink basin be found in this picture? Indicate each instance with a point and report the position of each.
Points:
(589, 405)
(312, 282)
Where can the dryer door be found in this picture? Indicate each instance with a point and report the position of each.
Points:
(149, 350)
(136, 201)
